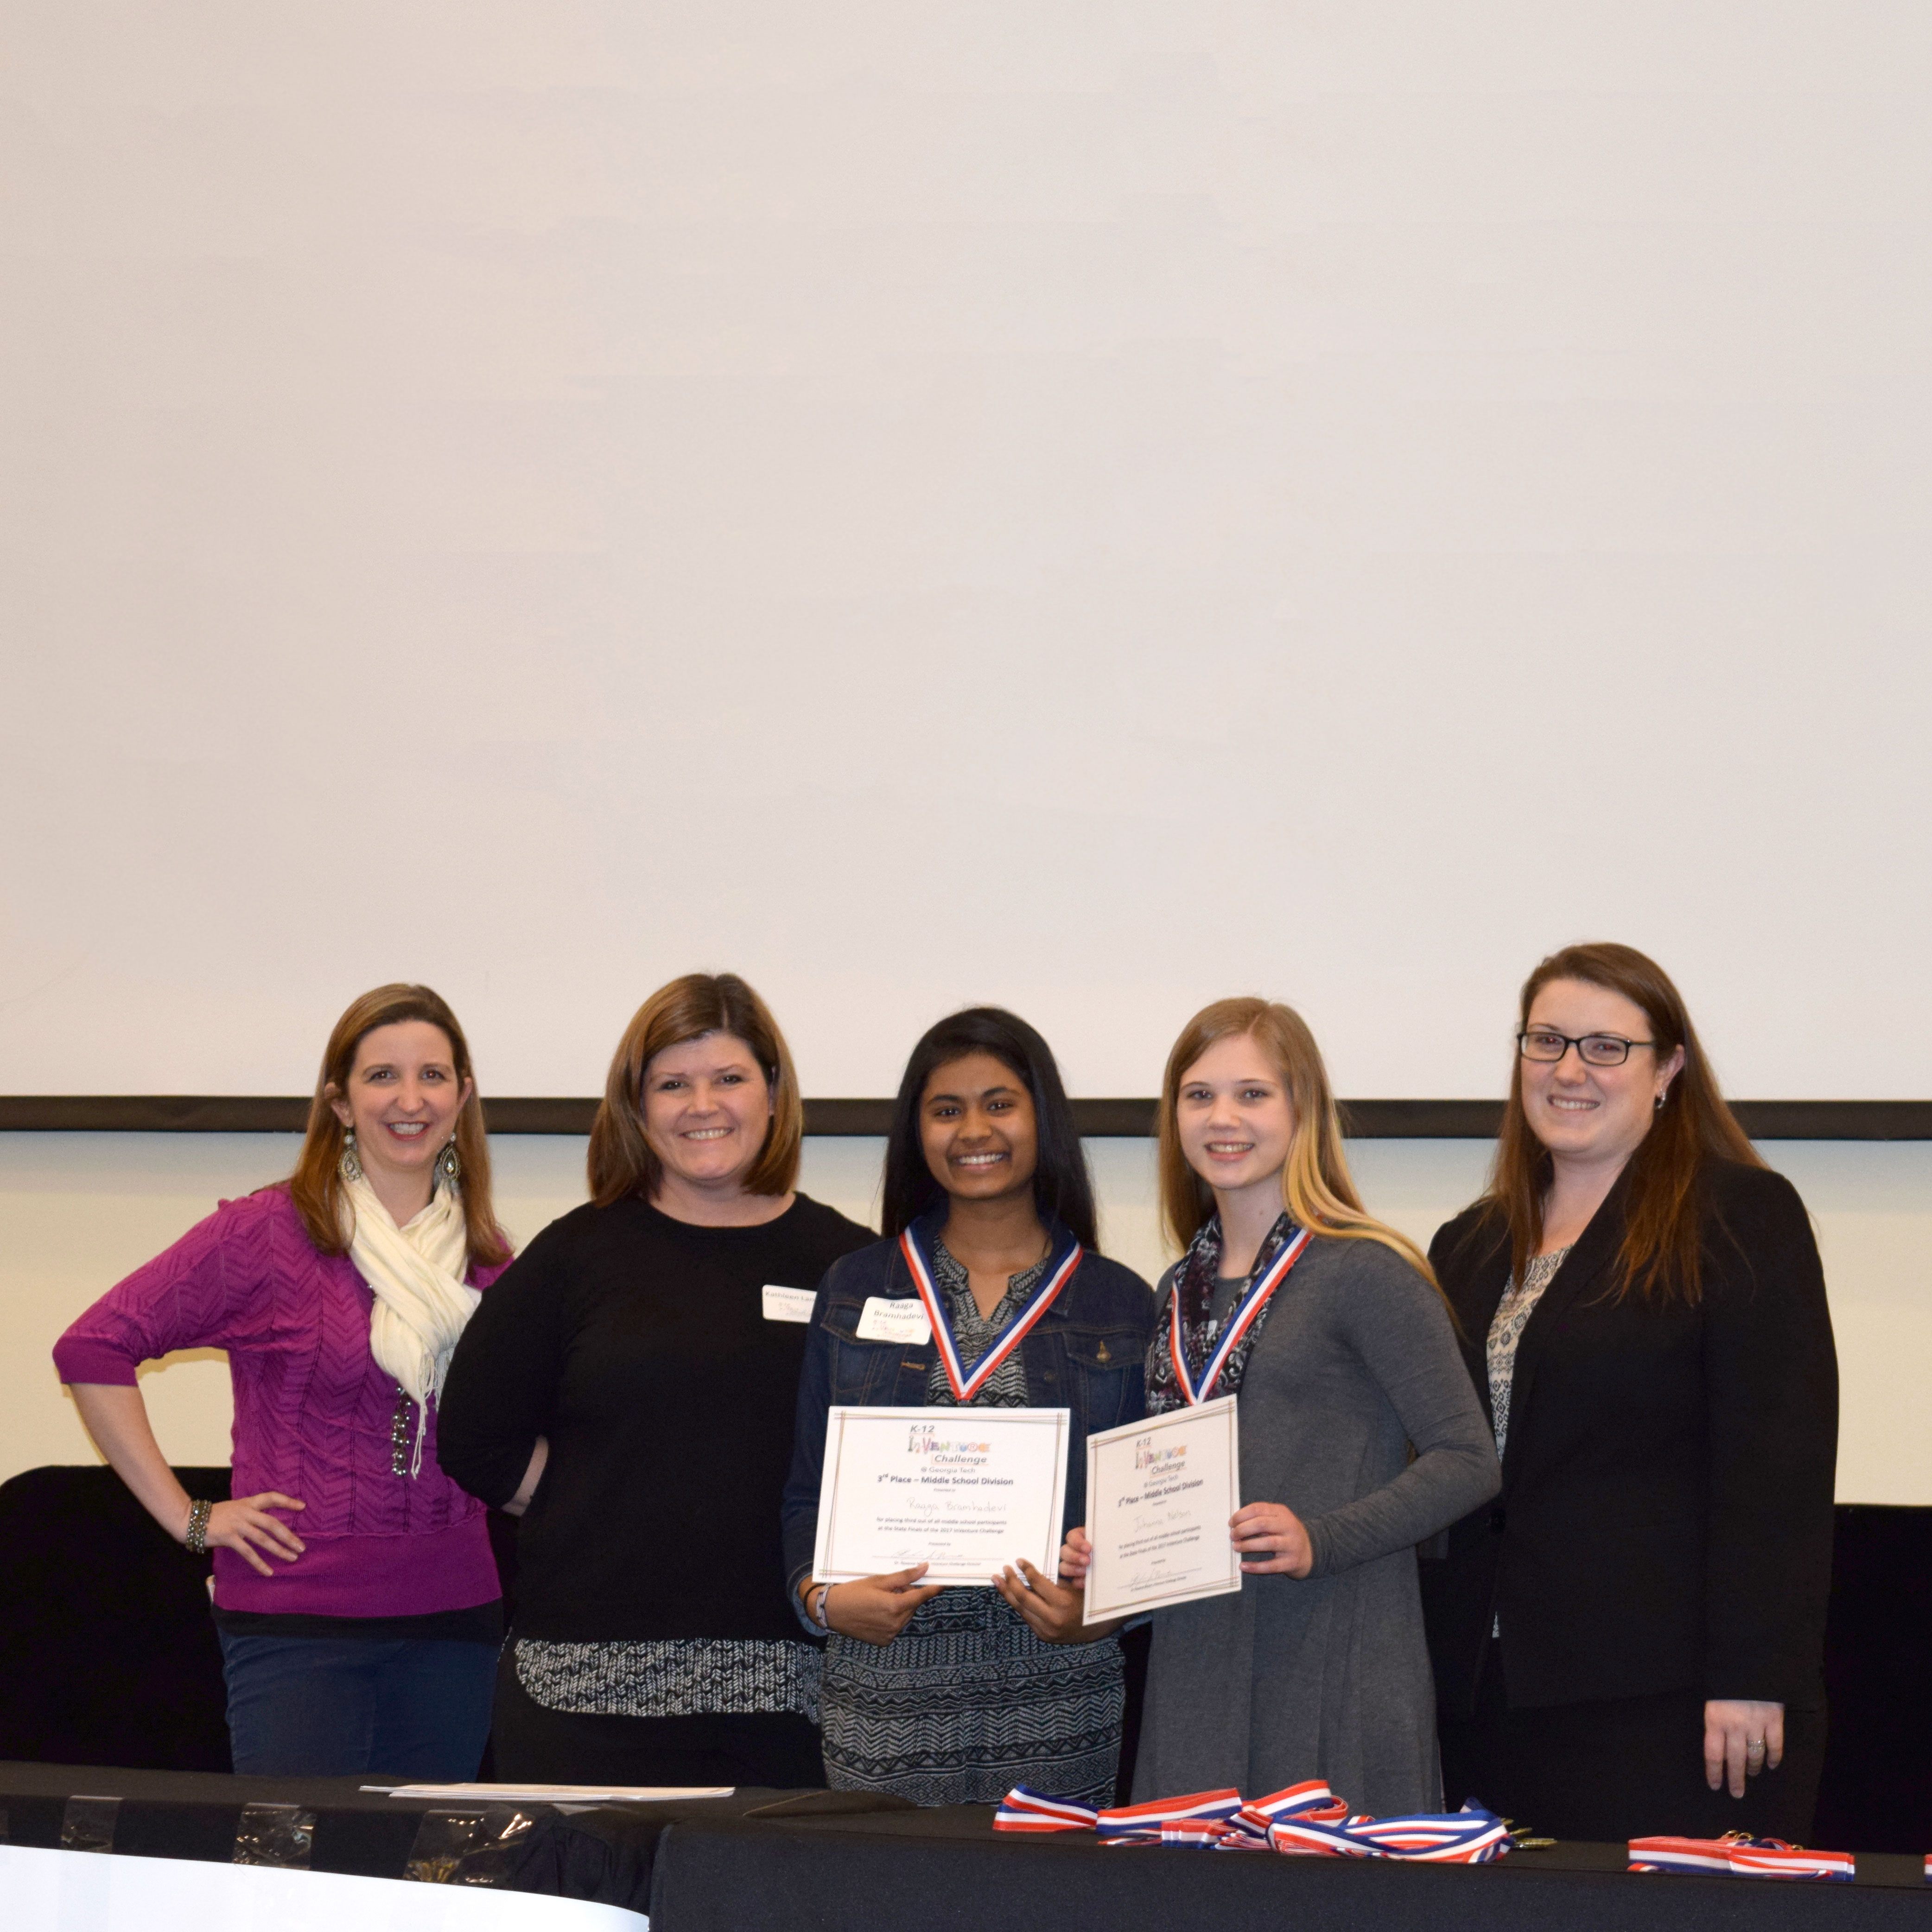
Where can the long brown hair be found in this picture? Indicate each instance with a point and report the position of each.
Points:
(316, 1185)
(1316, 1187)
(621, 1161)
(1659, 1260)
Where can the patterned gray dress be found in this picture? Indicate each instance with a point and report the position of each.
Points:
(966, 1701)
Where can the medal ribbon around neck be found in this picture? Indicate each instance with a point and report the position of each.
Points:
(1239, 1323)
(965, 1387)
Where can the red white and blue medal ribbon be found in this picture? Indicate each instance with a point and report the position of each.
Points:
(1239, 1323)
(1198, 1818)
(1737, 1855)
(965, 1387)
(1308, 1820)
(1025, 1809)
(1469, 1836)
(1311, 1799)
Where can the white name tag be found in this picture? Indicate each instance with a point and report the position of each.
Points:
(788, 1304)
(885, 1321)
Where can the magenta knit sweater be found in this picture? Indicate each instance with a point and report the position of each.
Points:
(312, 1415)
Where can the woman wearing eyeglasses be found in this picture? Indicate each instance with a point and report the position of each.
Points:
(1629, 1639)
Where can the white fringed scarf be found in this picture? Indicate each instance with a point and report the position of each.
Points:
(422, 1301)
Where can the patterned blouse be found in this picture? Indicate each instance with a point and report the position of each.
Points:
(1513, 1313)
(973, 1333)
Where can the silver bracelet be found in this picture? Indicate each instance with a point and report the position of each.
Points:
(196, 1538)
(816, 1608)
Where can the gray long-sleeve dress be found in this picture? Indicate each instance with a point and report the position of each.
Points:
(1328, 1676)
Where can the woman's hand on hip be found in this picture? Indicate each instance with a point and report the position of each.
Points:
(244, 1526)
(1052, 1611)
(1741, 1739)
(876, 1609)
(1271, 1541)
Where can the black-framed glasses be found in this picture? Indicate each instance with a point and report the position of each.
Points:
(1594, 1049)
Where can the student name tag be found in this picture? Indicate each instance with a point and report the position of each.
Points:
(886, 1321)
(788, 1304)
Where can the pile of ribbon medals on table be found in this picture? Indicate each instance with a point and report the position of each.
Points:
(1738, 1855)
(1305, 1821)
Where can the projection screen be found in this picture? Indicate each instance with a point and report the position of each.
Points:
(1092, 507)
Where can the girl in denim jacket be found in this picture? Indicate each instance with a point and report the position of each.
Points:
(952, 1697)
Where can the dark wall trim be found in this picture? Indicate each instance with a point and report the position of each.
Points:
(1365, 1120)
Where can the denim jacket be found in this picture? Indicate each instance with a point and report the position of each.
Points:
(1087, 1354)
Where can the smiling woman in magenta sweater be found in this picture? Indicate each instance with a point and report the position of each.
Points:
(354, 1592)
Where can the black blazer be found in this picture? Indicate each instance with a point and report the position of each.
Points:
(1665, 1522)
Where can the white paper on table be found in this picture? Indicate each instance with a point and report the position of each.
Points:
(558, 1794)
(967, 1491)
(1159, 1495)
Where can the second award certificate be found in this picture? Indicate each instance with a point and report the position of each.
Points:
(966, 1491)
(1159, 1495)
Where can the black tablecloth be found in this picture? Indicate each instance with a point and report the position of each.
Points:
(947, 1869)
(790, 1860)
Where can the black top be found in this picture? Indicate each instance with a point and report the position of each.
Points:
(638, 1345)
(1665, 1522)
(482, 1623)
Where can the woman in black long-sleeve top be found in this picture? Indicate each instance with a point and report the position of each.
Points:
(633, 1388)
(1630, 1639)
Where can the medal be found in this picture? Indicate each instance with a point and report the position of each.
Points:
(1243, 1319)
(965, 1387)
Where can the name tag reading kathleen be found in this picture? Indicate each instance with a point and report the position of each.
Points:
(1159, 1495)
(967, 1491)
(884, 1319)
(788, 1304)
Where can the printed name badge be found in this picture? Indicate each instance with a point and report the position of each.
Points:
(788, 1304)
(886, 1321)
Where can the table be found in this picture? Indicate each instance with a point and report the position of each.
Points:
(775, 1862)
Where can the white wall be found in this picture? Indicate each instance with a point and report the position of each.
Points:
(1397, 487)
(78, 1210)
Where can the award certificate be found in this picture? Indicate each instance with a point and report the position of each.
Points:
(967, 1491)
(1159, 1495)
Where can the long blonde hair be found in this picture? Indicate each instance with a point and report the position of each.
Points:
(1316, 1187)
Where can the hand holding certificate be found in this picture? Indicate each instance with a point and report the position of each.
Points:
(1160, 1494)
(964, 1491)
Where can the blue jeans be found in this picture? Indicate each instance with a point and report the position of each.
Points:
(417, 1708)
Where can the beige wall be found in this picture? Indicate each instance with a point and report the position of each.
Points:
(78, 1210)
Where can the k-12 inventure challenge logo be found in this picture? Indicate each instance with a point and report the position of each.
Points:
(945, 1450)
(1163, 1472)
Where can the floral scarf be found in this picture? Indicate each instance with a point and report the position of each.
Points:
(1193, 1279)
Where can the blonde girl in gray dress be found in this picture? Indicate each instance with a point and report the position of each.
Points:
(1360, 1436)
